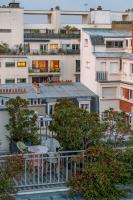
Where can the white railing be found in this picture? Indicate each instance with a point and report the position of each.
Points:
(42, 170)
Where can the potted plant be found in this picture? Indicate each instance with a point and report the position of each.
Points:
(22, 125)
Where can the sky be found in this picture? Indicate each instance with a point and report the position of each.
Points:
(74, 4)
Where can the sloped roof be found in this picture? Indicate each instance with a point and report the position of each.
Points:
(47, 91)
(98, 35)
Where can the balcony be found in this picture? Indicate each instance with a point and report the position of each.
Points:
(41, 36)
(42, 171)
(56, 52)
(40, 71)
(101, 76)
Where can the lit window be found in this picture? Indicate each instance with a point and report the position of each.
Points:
(21, 64)
(54, 66)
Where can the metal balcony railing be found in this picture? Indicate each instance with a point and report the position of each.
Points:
(31, 36)
(42, 170)
(101, 76)
(31, 70)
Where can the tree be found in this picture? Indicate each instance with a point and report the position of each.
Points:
(117, 123)
(22, 124)
(12, 167)
(76, 128)
(103, 176)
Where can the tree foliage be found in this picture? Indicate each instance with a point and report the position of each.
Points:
(22, 124)
(12, 168)
(105, 172)
(117, 123)
(76, 128)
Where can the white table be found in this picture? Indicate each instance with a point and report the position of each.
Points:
(38, 149)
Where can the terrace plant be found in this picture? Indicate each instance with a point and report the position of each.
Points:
(13, 167)
(4, 48)
(76, 128)
(22, 124)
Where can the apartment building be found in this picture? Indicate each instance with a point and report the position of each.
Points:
(42, 99)
(107, 67)
(51, 49)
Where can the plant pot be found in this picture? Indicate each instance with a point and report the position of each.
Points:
(13, 147)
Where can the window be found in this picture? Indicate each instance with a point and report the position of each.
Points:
(77, 78)
(43, 47)
(41, 65)
(114, 44)
(77, 65)
(126, 43)
(53, 46)
(5, 30)
(10, 64)
(21, 80)
(10, 80)
(108, 92)
(131, 68)
(85, 106)
(114, 67)
(21, 64)
(54, 66)
(2, 102)
(131, 94)
(75, 46)
(51, 109)
(122, 92)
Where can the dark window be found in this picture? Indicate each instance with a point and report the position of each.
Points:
(10, 64)
(126, 43)
(77, 65)
(21, 80)
(2, 102)
(10, 81)
(114, 44)
(77, 78)
(75, 46)
(5, 30)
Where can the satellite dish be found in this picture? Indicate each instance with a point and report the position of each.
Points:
(52, 144)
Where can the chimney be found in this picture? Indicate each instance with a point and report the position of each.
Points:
(36, 87)
(132, 37)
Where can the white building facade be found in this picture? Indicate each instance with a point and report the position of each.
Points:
(107, 67)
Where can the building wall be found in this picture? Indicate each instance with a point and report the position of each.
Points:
(12, 19)
(13, 72)
(67, 65)
(4, 144)
(88, 68)
(110, 103)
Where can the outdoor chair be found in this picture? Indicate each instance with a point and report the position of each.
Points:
(22, 147)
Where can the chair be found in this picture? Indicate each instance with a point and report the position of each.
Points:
(22, 147)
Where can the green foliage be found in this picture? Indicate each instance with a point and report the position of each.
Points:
(117, 123)
(4, 48)
(22, 124)
(76, 128)
(105, 172)
(12, 168)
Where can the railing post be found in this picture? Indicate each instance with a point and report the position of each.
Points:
(66, 168)
(58, 169)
